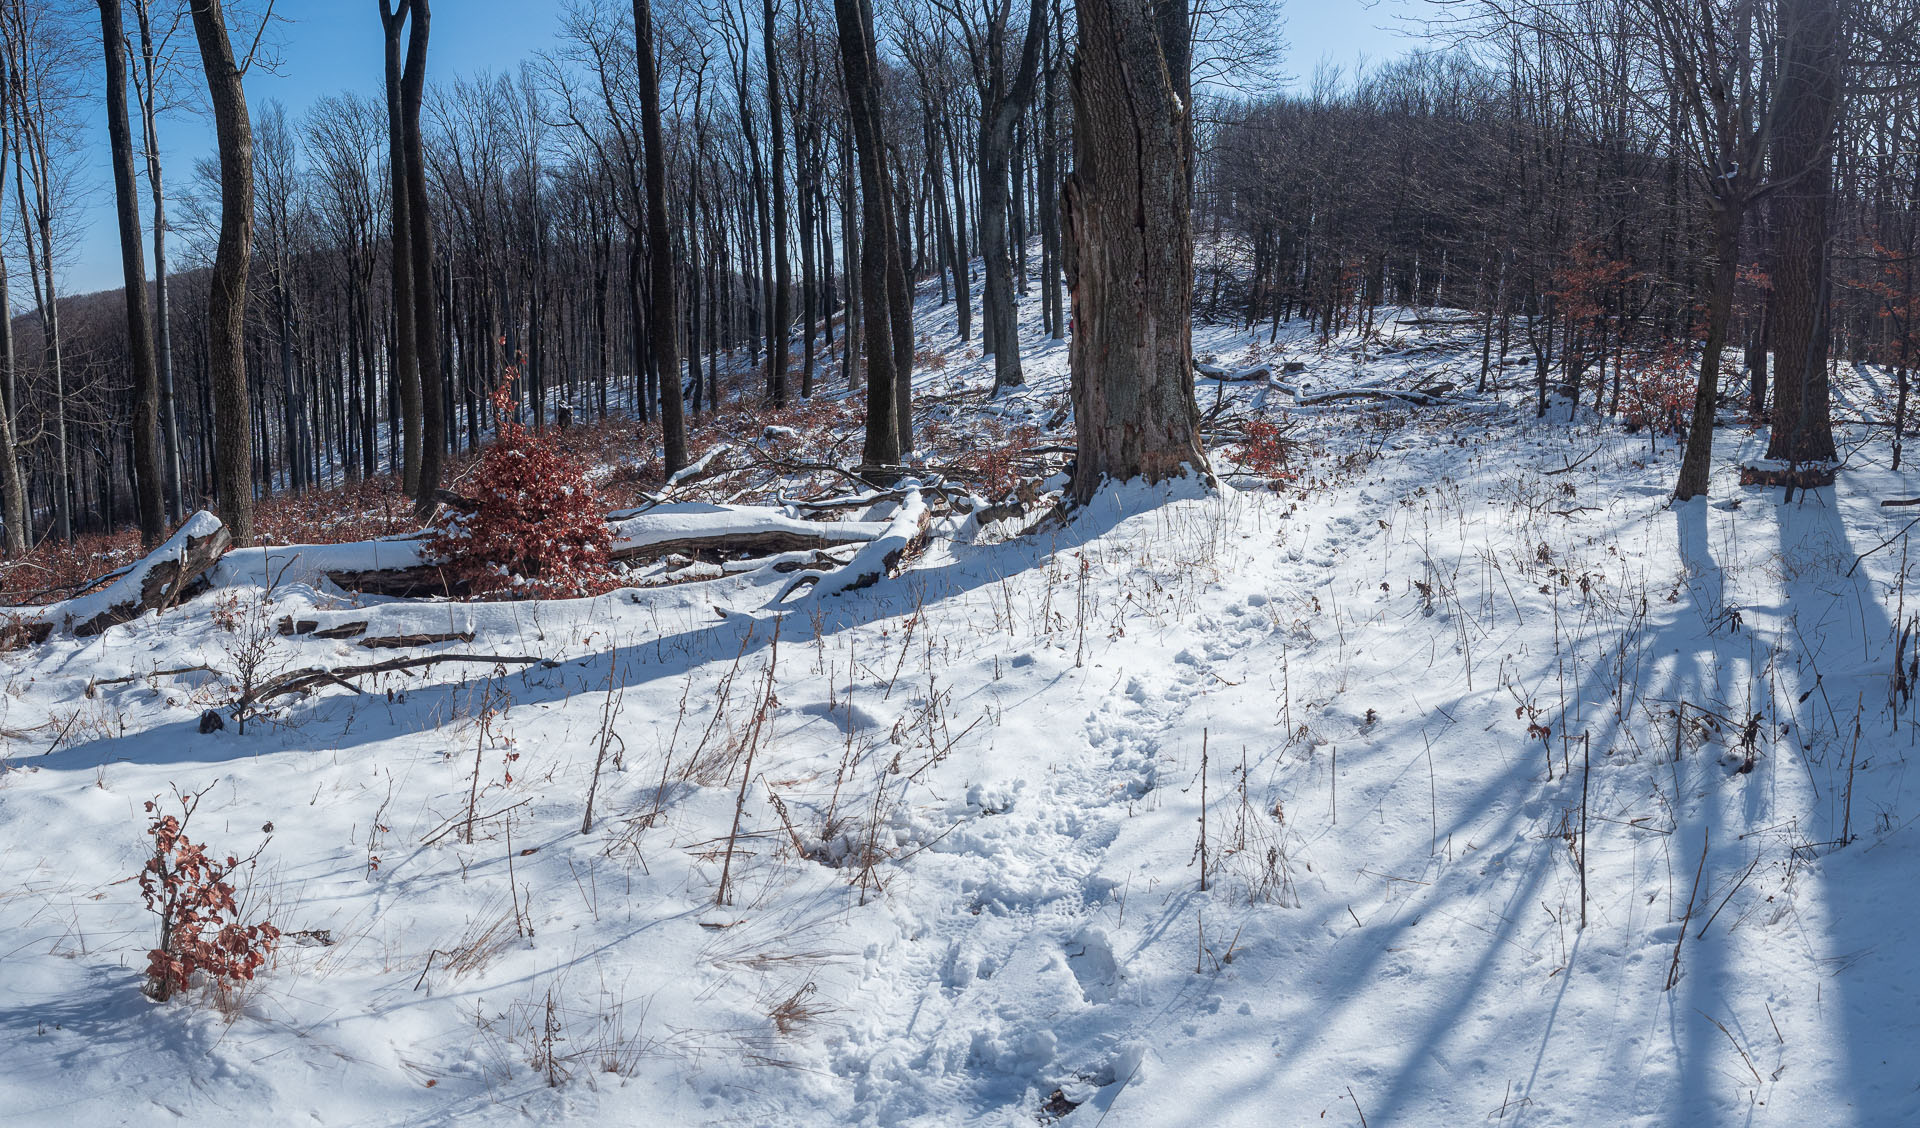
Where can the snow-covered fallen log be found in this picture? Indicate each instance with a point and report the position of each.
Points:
(1256, 374)
(905, 531)
(161, 579)
(396, 566)
(298, 680)
(403, 567)
(736, 530)
(1412, 397)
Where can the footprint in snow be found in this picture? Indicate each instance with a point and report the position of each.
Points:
(1090, 956)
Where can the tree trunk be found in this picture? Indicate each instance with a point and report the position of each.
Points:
(406, 357)
(1802, 139)
(778, 353)
(433, 416)
(882, 448)
(1128, 227)
(998, 116)
(227, 286)
(664, 315)
(963, 273)
(1697, 463)
(149, 489)
(15, 515)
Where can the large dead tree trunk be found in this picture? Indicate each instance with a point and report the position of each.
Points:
(227, 288)
(1129, 247)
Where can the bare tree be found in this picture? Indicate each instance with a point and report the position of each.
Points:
(857, 61)
(433, 416)
(14, 514)
(34, 64)
(664, 317)
(779, 355)
(227, 289)
(406, 357)
(148, 482)
(1004, 99)
(154, 57)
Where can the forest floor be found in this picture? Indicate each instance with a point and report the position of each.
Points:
(1118, 822)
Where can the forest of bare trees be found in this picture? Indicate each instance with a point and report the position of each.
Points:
(683, 204)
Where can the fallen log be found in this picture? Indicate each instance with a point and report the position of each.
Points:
(288, 626)
(697, 530)
(768, 542)
(397, 642)
(409, 582)
(311, 676)
(163, 578)
(1800, 478)
(1413, 398)
(1259, 372)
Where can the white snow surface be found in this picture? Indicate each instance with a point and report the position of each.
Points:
(1013, 734)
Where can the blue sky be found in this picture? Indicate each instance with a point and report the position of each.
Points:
(326, 46)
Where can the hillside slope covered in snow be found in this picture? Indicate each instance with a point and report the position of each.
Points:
(1412, 790)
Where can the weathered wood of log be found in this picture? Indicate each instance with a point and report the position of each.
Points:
(410, 582)
(398, 642)
(311, 628)
(290, 626)
(163, 578)
(1794, 478)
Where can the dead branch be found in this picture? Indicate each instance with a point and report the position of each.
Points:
(906, 532)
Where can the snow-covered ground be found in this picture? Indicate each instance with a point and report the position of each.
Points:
(1401, 700)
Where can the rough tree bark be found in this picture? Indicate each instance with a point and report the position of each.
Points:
(227, 288)
(1128, 230)
(1809, 102)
